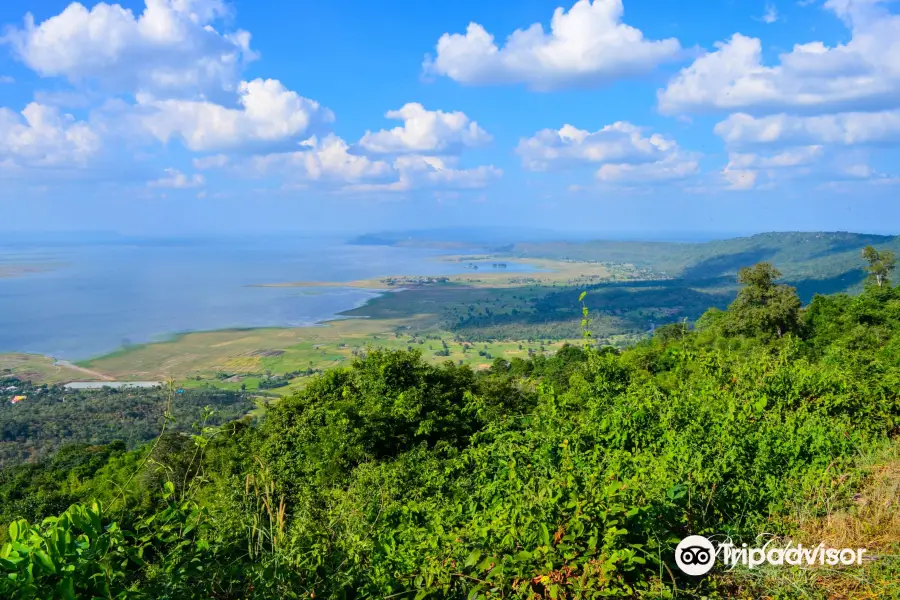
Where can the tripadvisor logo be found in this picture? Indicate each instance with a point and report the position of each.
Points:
(696, 555)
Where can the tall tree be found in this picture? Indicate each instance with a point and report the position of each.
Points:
(763, 306)
(880, 264)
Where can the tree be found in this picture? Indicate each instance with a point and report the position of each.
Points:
(880, 264)
(762, 306)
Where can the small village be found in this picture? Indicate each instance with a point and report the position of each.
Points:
(413, 280)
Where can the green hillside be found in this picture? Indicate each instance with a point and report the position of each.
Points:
(800, 256)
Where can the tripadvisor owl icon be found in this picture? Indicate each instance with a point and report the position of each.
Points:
(695, 555)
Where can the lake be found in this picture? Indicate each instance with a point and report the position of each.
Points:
(101, 296)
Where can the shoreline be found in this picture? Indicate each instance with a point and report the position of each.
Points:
(376, 286)
(177, 336)
(227, 349)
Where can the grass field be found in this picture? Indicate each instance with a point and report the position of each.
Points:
(37, 368)
(234, 358)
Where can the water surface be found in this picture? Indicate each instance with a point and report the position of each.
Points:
(101, 296)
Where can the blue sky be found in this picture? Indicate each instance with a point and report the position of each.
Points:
(204, 116)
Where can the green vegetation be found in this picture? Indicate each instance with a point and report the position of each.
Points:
(824, 257)
(881, 264)
(50, 416)
(563, 476)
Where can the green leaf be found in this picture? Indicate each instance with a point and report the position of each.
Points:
(66, 588)
(473, 558)
(14, 531)
(44, 561)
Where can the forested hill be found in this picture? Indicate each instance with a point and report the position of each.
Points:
(814, 262)
(800, 256)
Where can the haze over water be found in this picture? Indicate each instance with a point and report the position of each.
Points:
(109, 295)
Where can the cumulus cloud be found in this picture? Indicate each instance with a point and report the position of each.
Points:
(171, 72)
(622, 152)
(863, 74)
(430, 172)
(434, 172)
(620, 142)
(42, 136)
(328, 159)
(170, 48)
(268, 112)
(745, 170)
(841, 128)
(330, 162)
(175, 179)
(588, 45)
(425, 131)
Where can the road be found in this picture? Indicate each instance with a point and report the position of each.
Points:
(97, 374)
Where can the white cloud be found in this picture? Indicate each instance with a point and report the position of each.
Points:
(863, 74)
(620, 142)
(794, 157)
(739, 179)
(771, 14)
(745, 170)
(671, 168)
(429, 172)
(621, 151)
(269, 113)
(841, 128)
(328, 159)
(809, 163)
(433, 172)
(171, 48)
(330, 162)
(42, 136)
(588, 45)
(859, 171)
(175, 179)
(857, 178)
(425, 131)
(216, 161)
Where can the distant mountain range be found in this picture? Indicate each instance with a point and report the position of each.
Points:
(497, 237)
(812, 261)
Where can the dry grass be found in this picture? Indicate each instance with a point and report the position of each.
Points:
(870, 521)
(874, 519)
(34, 367)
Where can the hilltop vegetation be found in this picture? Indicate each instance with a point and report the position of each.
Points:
(51, 416)
(824, 257)
(571, 476)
